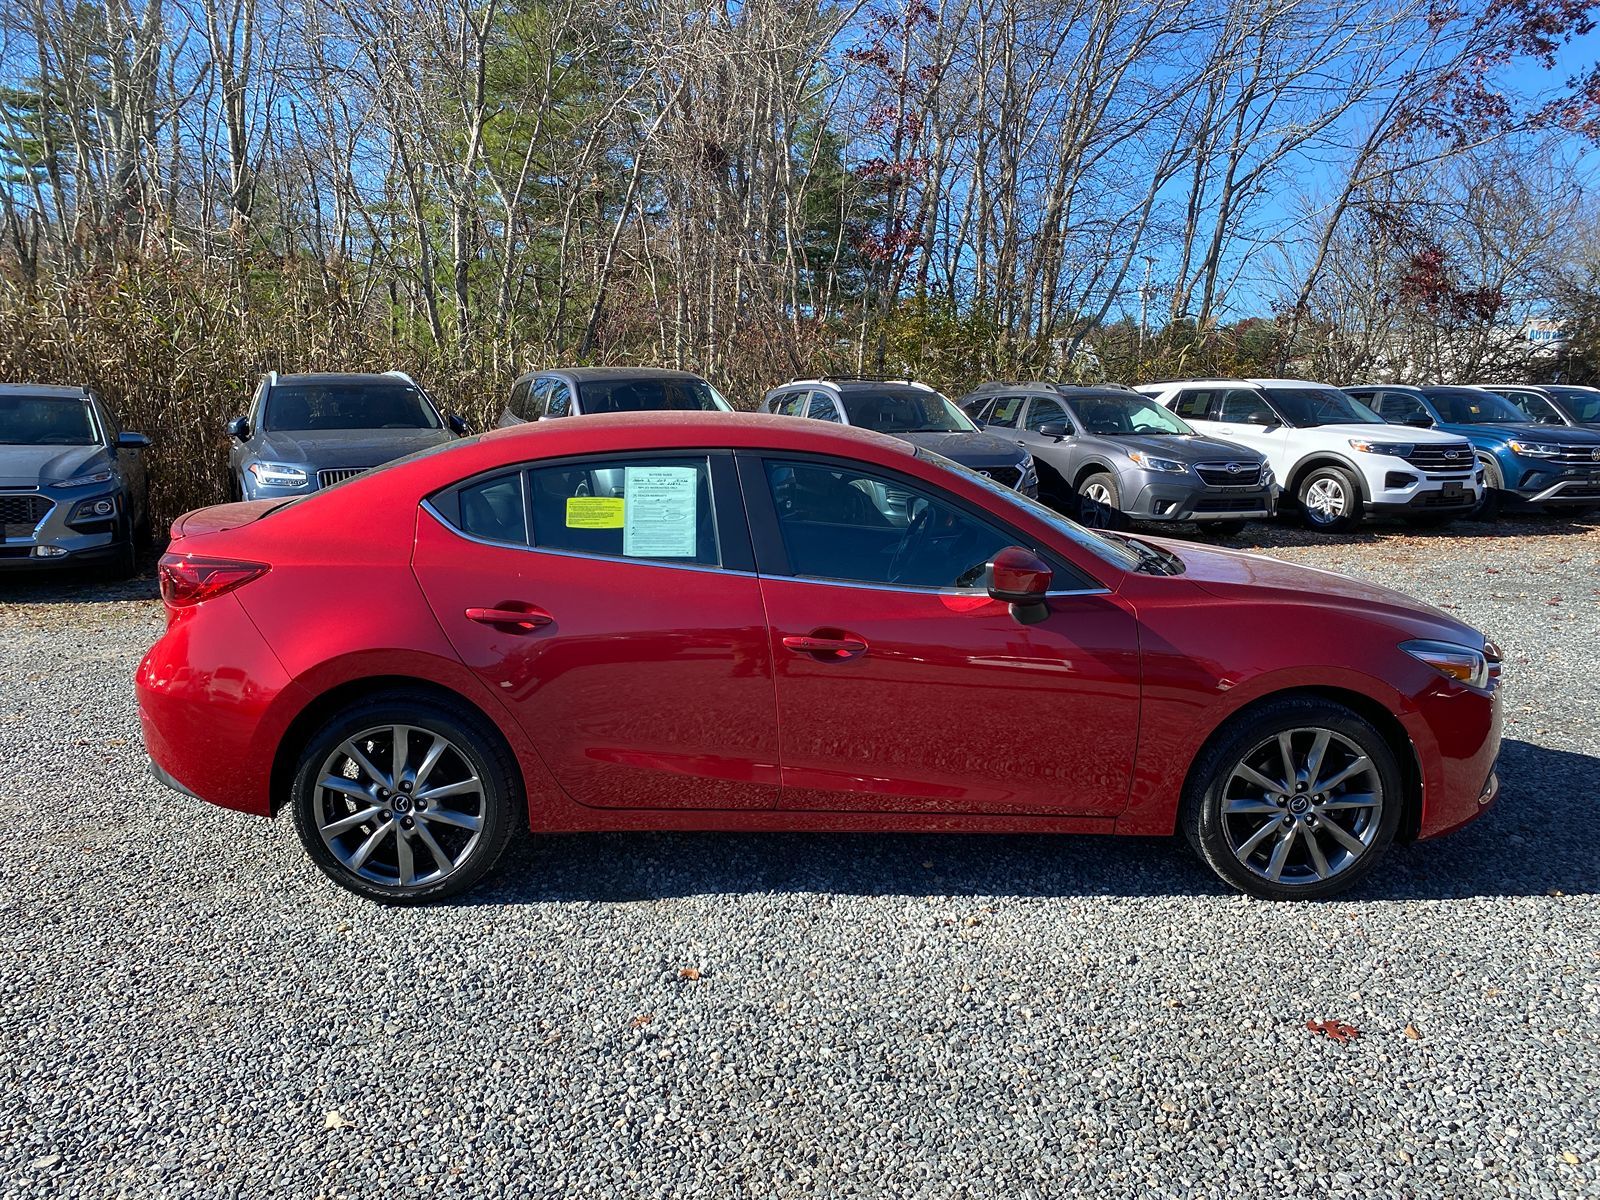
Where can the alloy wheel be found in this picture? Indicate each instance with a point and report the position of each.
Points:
(399, 806)
(1302, 807)
(1096, 512)
(1326, 500)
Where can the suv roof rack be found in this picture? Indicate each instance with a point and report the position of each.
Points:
(1053, 384)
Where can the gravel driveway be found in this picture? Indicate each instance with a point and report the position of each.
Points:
(187, 1008)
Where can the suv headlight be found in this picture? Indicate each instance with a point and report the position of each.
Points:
(104, 475)
(1151, 463)
(1460, 663)
(1535, 449)
(270, 474)
(1397, 449)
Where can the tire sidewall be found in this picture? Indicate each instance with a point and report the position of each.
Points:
(1201, 814)
(1113, 517)
(1352, 512)
(477, 743)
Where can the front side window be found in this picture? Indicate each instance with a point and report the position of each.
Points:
(519, 405)
(823, 408)
(633, 508)
(1245, 406)
(1306, 408)
(1472, 406)
(842, 523)
(1402, 407)
(1583, 402)
(557, 399)
(338, 404)
(1534, 407)
(895, 408)
(46, 421)
(1044, 411)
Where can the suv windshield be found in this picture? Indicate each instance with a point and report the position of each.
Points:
(1473, 406)
(904, 410)
(1584, 402)
(353, 405)
(1305, 408)
(1114, 416)
(650, 395)
(46, 421)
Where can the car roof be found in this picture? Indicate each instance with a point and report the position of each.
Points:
(45, 390)
(1252, 381)
(593, 374)
(852, 383)
(343, 377)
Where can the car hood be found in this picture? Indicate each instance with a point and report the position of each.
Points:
(1559, 435)
(975, 449)
(32, 466)
(325, 449)
(1183, 447)
(1387, 432)
(1236, 575)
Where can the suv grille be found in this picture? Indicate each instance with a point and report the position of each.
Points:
(20, 514)
(1578, 456)
(1237, 473)
(1443, 457)
(331, 477)
(1005, 476)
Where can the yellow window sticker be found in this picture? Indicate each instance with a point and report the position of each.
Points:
(595, 512)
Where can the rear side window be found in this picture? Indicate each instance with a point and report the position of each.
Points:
(1005, 411)
(628, 508)
(494, 509)
(1194, 403)
(521, 403)
(790, 404)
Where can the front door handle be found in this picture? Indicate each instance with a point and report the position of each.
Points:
(511, 620)
(826, 649)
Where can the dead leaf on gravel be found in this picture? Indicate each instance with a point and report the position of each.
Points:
(689, 973)
(1571, 1159)
(1413, 1033)
(336, 1120)
(641, 1020)
(1339, 1031)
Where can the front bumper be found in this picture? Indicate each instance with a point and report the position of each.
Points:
(1563, 487)
(54, 541)
(1425, 494)
(1457, 733)
(1180, 500)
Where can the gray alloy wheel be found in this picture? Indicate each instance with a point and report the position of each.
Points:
(404, 801)
(1294, 798)
(1329, 500)
(1099, 505)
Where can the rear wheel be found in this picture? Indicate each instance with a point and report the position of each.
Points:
(1298, 799)
(1100, 503)
(1330, 500)
(404, 799)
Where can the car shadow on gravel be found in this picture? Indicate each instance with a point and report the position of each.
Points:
(1288, 531)
(1536, 841)
(80, 585)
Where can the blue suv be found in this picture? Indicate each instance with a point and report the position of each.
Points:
(1524, 462)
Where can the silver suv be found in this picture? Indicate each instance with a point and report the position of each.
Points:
(1108, 456)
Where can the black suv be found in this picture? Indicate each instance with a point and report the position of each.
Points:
(577, 391)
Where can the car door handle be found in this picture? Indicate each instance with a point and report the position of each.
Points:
(511, 620)
(827, 649)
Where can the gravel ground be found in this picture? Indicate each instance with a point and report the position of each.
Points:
(187, 1008)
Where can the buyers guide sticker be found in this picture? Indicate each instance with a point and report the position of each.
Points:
(660, 518)
(594, 512)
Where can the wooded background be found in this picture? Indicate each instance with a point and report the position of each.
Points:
(195, 191)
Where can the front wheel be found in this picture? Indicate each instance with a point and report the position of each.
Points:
(1330, 500)
(1493, 499)
(404, 799)
(1100, 503)
(1298, 799)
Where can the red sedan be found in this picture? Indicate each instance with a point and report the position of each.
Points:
(706, 621)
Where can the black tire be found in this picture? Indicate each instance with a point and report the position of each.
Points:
(1223, 528)
(1494, 495)
(1333, 482)
(474, 750)
(1104, 511)
(1225, 845)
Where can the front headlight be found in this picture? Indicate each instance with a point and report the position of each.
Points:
(1267, 477)
(288, 475)
(1460, 663)
(1397, 449)
(104, 475)
(1535, 449)
(1151, 463)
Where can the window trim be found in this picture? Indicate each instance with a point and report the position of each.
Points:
(772, 556)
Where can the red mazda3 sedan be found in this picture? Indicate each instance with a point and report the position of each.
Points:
(710, 621)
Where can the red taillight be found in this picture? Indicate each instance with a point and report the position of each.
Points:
(187, 579)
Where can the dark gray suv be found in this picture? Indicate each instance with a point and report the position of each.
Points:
(305, 432)
(72, 481)
(1109, 455)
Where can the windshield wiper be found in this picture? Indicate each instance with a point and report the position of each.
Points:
(1160, 562)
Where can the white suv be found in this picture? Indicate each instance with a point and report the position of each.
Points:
(1334, 455)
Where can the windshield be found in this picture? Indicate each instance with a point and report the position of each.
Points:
(1305, 408)
(1474, 406)
(1583, 402)
(337, 404)
(46, 421)
(904, 409)
(650, 395)
(1116, 416)
(1112, 550)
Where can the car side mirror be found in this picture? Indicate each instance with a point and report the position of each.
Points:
(1419, 421)
(239, 428)
(1021, 579)
(132, 441)
(1056, 429)
(458, 424)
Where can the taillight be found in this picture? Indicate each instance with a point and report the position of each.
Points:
(187, 579)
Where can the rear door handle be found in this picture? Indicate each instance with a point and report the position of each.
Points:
(828, 649)
(511, 620)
